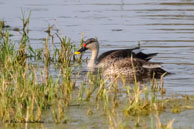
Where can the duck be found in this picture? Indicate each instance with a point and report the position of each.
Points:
(124, 62)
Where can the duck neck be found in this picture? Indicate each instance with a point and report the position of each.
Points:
(93, 58)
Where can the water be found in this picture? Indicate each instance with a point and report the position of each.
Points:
(162, 26)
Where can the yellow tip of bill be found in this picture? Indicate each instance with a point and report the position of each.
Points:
(77, 53)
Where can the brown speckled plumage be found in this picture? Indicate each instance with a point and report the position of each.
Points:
(120, 62)
(129, 67)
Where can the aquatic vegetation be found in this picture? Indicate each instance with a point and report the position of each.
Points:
(28, 90)
(3, 24)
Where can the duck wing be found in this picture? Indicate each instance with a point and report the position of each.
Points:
(124, 53)
(115, 54)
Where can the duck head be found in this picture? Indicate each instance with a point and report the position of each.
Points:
(91, 44)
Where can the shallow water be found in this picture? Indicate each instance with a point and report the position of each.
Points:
(162, 26)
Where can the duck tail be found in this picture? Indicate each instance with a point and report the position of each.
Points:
(150, 55)
(155, 69)
(144, 56)
(158, 72)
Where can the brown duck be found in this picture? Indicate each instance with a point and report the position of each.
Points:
(125, 62)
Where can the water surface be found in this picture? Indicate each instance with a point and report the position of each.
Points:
(162, 26)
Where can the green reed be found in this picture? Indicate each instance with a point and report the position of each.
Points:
(27, 90)
(21, 54)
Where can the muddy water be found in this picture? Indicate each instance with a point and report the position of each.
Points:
(162, 26)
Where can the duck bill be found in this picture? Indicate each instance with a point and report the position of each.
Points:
(80, 50)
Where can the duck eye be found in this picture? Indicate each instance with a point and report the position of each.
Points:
(84, 44)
